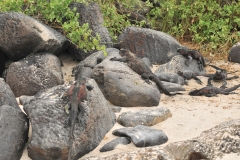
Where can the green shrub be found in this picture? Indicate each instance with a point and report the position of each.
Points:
(117, 22)
(214, 23)
(58, 15)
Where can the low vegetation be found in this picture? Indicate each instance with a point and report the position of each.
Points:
(210, 26)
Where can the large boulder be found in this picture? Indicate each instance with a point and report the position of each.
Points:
(50, 136)
(92, 15)
(2, 62)
(13, 131)
(158, 46)
(234, 53)
(21, 35)
(122, 86)
(34, 73)
(146, 117)
(6, 95)
(13, 125)
(142, 136)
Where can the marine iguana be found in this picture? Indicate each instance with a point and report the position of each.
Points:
(213, 91)
(77, 94)
(188, 74)
(220, 75)
(192, 54)
(137, 65)
(171, 77)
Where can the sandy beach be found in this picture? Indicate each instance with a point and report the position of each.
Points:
(190, 115)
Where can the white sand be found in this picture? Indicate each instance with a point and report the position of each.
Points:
(190, 115)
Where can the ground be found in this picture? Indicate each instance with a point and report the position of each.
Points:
(190, 115)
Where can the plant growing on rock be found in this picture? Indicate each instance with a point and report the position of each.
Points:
(59, 16)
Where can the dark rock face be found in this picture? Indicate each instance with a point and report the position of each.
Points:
(34, 73)
(92, 15)
(143, 136)
(176, 64)
(77, 53)
(159, 47)
(147, 117)
(2, 62)
(234, 53)
(6, 96)
(122, 86)
(21, 35)
(111, 145)
(50, 137)
(13, 131)
(13, 125)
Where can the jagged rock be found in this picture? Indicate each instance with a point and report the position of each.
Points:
(146, 117)
(223, 138)
(234, 53)
(92, 60)
(112, 144)
(212, 143)
(50, 137)
(21, 35)
(170, 77)
(34, 73)
(122, 86)
(142, 136)
(149, 153)
(176, 64)
(190, 149)
(13, 125)
(158, 46)
(92, 15)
